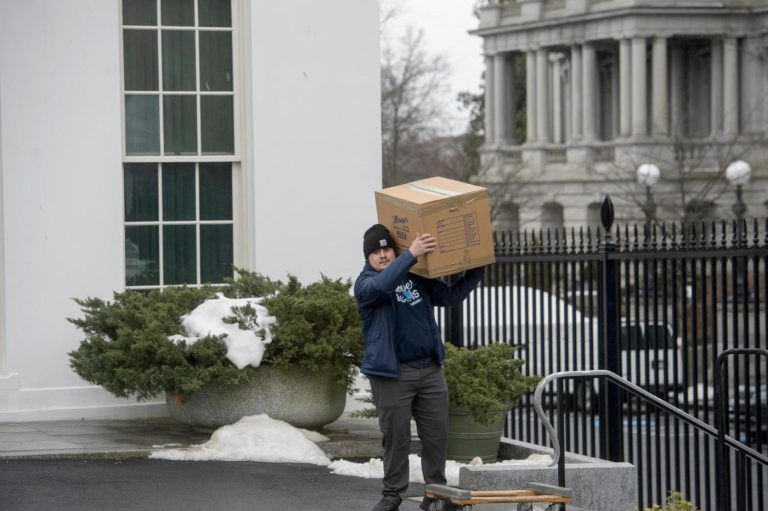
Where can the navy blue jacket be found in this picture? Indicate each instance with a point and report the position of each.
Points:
(375, 295)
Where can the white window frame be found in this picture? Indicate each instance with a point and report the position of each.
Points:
(242, 221)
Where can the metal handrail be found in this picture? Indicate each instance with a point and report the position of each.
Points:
(642, 393)
(720, 419)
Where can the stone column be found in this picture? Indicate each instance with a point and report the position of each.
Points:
(566, 80)
(676, 90)
(490, 138)
(576, 99)
(557, 97)
(716, 103)
(752, 89)
(500, 95)
(625, 87)
(660, 86)
(730, 86)
(512, 99)
(615, 101)
(530, 96)
(639, 88)
(542, 106)
(589, 84)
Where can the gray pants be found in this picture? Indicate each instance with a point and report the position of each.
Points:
(423, 395)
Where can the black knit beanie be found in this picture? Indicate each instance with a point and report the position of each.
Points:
(375, 238)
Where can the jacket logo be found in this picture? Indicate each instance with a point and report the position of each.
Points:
(407, 294)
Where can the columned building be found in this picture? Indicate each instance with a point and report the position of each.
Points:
(580, 93)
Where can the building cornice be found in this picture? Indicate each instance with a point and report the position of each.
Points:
(688, 13)
(622, 24)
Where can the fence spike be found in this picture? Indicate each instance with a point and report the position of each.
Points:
(607, 214)
(548, 248)
(723, 233)
(626, 239)
(691, 235)
(573, 240)
(755, 234)
(765, 233)
(646, 235)
(673, 241)
(636, 242)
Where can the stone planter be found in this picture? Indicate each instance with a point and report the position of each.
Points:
(468, 439)
(301, 398)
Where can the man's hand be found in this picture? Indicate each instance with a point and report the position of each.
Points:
(423, 244)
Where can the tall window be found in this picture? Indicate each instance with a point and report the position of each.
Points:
(180, 146)
(551, 216)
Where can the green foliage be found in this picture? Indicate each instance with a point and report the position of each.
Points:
(485, 380)
(248, 284)
(318, 328)
(675, 502)
(366, 413)
(127, 351)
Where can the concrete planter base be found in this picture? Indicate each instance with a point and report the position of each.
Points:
(597, 485)
(301, 398)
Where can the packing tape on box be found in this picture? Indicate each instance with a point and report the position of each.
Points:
(441, 192)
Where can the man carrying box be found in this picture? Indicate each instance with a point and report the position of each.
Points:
(404, 355)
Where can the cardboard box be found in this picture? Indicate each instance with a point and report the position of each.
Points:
(456, 213)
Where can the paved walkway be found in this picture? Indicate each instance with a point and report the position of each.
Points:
(24, 444)
(124, 439)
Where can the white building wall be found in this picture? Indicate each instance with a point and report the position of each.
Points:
(316, 134)
(314, 156)
(3, 324)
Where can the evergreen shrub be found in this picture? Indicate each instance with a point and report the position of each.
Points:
(127, 351)
(486, 379)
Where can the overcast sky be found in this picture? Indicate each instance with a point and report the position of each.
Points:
(445, 24)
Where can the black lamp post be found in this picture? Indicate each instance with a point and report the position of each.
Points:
(738, 174)
(648, 175)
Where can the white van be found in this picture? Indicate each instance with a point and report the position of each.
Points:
(652, 356)
(555, 336)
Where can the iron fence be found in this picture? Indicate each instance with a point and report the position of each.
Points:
(655, 304)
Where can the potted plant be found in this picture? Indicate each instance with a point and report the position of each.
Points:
(483, 385)
(132, 347)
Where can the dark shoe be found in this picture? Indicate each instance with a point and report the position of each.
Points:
(430, 504)
(388, 503)
(426, 503)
